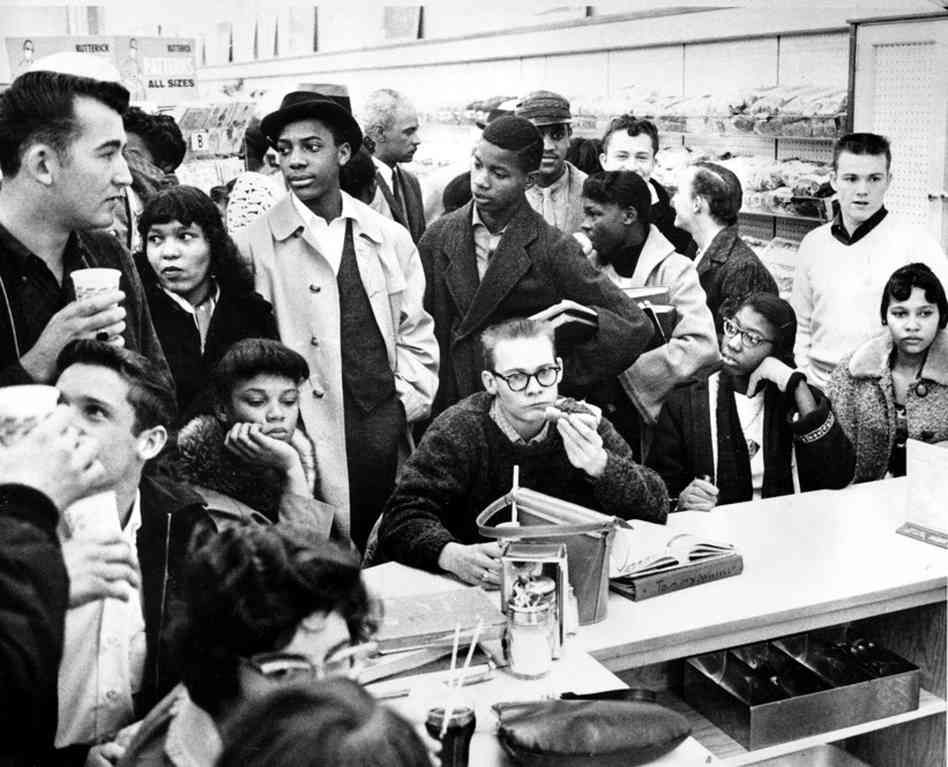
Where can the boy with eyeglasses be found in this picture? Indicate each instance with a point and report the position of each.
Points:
(466, 459)
(262, 608)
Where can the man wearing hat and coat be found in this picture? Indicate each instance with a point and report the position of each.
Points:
(557, 193)
(347, 286)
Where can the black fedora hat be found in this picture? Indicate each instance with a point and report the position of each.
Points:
(301, 105)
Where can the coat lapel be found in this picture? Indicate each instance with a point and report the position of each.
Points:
(393, 206)
(508, 264)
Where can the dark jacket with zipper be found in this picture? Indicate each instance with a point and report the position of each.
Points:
(236, 316)
(171, 513)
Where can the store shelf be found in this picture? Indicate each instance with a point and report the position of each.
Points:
(733, 754)
(784, 216)
(747, 134)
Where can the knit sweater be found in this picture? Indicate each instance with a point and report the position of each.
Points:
(837, 288)
(465, 461)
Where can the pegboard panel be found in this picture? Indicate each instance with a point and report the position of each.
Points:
(730, 66)
(815, 150)
(794, 230)
(814, 59)
(903, 101)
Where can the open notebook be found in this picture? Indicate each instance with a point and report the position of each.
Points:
(648, 560)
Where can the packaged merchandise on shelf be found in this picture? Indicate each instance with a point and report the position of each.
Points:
(779, 255)
(796, 111)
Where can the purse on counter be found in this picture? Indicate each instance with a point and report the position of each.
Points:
(587, 534)
(588, 733)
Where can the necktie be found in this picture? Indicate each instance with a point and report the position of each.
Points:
(397, 192)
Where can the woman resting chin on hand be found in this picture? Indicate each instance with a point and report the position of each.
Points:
(757, 426)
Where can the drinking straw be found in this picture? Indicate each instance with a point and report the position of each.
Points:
(513, 495)
(451, 685)
(460, 677)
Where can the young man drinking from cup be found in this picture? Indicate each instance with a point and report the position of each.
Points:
(61, 141)
(563, 448)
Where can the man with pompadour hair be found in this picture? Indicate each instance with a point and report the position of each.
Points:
(64, 176)
(496, 258)
(467, 456)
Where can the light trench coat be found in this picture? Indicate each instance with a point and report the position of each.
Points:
(291, 273)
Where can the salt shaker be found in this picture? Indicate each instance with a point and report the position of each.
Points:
(530, 639)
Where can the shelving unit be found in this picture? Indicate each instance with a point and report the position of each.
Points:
(733, 754)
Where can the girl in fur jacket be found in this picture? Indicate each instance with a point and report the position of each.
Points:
(251, 447)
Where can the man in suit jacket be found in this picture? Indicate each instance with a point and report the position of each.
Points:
(706, 205)
(496, 258)
(391, 132)
(347, 286)
(557, 193)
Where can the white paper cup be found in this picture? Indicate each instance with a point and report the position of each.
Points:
(95, 516)
(22, 407)
(91, 282)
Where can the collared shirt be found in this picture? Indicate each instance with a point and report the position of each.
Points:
(485, 243)
(103, 660)
(379, 203)
(498, 416)
(202, 313)
(33, 291)
(193, 739)
(553, 202)
(329, 237)
(838, 230)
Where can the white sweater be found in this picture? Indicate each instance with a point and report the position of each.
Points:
(837, 289)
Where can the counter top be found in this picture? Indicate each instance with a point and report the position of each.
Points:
(810, 560)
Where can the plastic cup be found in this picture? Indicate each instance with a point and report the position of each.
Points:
(22, 407)
(91, 282)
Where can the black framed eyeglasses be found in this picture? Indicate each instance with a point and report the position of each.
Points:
(292, 668)
(518, 381)
(748, 337)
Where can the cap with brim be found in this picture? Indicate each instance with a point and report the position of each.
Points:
(306, 105)
(544, 108)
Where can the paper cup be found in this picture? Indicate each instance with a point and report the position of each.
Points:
(95, 516)
(91, 282)
(22, 407)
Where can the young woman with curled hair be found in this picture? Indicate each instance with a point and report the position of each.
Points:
(335, 722)
(263, 608)
(756, 429)
(199, 290)
(895, 386)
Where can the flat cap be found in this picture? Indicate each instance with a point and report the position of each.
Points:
(544, 108)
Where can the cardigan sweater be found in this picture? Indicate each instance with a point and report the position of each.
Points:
(682, 448)
(465, 462)
(864, 402)
(837, 288)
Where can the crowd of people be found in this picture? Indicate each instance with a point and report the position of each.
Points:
(308, 372)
